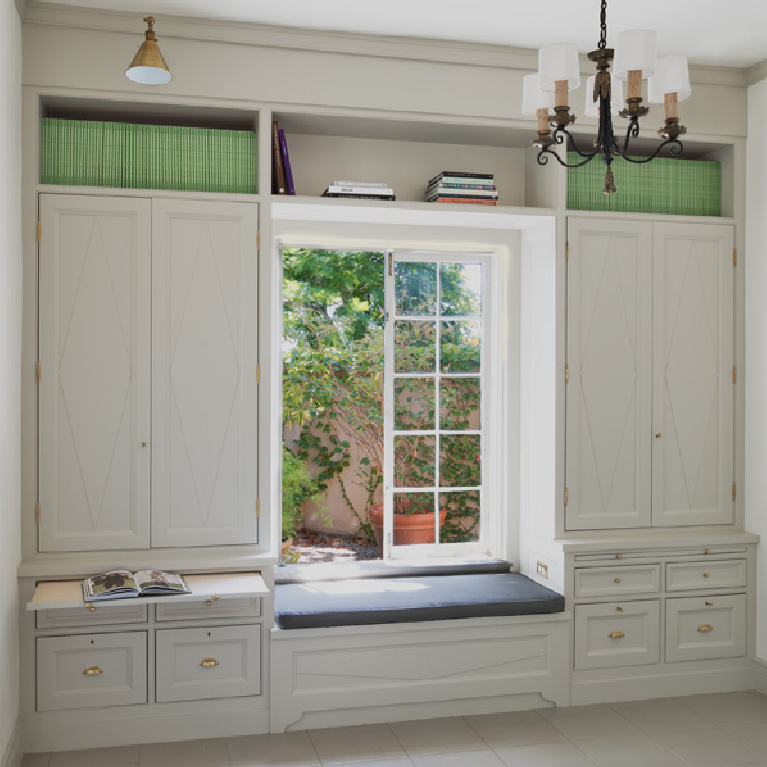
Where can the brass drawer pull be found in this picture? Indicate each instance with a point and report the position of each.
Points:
(619, 556)
(705, 628)
(209, 602)
(92, 671)
(209, 663)
(616, 635)
(617, 580)
(706, 575)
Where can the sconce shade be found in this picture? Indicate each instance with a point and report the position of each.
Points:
(533, 98)
(616, 97)
(636, 49)
(557, 62)
(672, 76)
(148, 66)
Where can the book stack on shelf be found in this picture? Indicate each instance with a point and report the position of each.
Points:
(464, 187)
(282, 173)
(360, 190)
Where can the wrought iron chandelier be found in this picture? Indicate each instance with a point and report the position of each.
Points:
(668, 82)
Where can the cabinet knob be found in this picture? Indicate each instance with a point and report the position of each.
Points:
(706, 575)
(619, 556)
(209, 663)
(618, 634)
(658, 435)
(143, 444)
(705, 628)
(619, 609)
(92, 671)
(617, 580)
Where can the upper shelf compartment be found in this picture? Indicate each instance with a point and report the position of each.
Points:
(117, 145)
(406, 153)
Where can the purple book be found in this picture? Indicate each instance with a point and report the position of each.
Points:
(286, 163)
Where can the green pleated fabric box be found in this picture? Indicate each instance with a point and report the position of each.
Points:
(664, 185)
(127, 156)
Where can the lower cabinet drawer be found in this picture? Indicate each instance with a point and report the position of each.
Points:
(622, 634)
(90, 616)
(615, 582)
(91, 671)
(193, 664)
(700, 628)
(718, 574)
(215, 608)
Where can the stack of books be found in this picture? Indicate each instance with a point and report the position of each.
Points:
(360, 190)
(467, 188)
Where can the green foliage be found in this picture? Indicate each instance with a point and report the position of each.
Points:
(297, 487)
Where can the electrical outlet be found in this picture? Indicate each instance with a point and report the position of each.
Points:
(543, 570)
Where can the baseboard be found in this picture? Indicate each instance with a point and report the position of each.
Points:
(13, 752)
(671, 682)
(760, 675)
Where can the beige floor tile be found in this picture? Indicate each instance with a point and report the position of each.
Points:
(517, 728)
(585, 723)
(660, 714)
(191, 753)
(122, 756)
(459, 759)
(354, 744)
(709, 747)
(730, 707)
(544, 755)
(401, 762)
(437, 736)
(748, 732)
(631, 752)
(292, 749)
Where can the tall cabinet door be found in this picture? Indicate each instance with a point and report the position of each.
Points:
(204, 389)
(693, 358)
(94, 416)
(609, 391)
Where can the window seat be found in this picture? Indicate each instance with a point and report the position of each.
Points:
(408, 599)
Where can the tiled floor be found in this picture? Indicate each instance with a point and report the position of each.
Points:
(723, 730)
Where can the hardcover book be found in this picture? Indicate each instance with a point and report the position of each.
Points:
(123, 584)
(278, 175)
(286, 163)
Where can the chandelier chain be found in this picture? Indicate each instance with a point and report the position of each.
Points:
(603, 26)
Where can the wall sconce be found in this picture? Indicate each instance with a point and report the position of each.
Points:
(148, 66)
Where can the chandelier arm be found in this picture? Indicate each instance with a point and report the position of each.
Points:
(675, 147)
(562, 134)
(542, 160)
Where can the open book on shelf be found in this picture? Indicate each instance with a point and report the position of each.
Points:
(123, 584)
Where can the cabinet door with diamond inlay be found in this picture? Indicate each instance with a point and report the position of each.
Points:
(204, 355)
(95, 314)
(609, 391)
(693, 387)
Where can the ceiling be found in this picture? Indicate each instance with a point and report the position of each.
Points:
(711, 32)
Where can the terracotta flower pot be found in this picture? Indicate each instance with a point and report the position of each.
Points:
(409, 529)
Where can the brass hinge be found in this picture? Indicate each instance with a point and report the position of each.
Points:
(734, 256)
(258, 508)
(258, 239)
(39, 226)
(38, 372)
(37, 513)
(258, 373)
(734, 491)
(567, 250)
(391, 264)
(734, 373)
(567, 373)
(567, 496)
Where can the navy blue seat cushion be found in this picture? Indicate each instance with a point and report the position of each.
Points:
(410, 599)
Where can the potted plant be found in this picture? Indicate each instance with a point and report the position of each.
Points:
(413, 522)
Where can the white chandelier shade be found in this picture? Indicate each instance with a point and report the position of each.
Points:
(673, 76)
(558, 62)
(635, 50)
(533, 98)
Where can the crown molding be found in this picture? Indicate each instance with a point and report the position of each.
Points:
(756, 73)
(21, 7)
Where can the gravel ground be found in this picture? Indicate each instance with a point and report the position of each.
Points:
(314, 546)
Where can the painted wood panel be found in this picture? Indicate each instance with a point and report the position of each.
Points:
(95, 361)
(693, 389)
(204, 355)
(609, 391)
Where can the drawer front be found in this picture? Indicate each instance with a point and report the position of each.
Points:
(213, 608)
(194, 664)
(83, 616)
(720, 574)
(617, 634)
(91, 671)
(700, 628)
(616, 581)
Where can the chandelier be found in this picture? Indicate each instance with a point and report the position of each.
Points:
(668, 82)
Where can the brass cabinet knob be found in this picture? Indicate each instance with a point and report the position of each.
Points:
(706, 575)
(705, 628)
(619, 609)
(616, 635)
(658, 435)
(143, 444)
(209, 663)
(709, 604)
(617, 580)
(619, 556)
(92, 671)
(209, 602)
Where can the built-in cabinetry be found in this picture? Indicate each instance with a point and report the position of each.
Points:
(148, 356)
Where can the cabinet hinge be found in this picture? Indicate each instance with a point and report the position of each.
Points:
(37, 513)
(258, 508)
(258, 240)
(567, 250)
(734, 373)
(39, 227)
(258, 373)
(567, 373)
(38, 372)
(391, 264)
(734, 491)
(734, 256)
(567, 496)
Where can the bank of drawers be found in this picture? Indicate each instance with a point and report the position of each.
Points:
(666, 625)
(98, 669)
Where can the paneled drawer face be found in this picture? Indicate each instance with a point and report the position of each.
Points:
(622, 634)
(234, 607)
(616, 581)
(699, 628)
(91, 671)
(84, 616)
(685, 576)
(193, 664)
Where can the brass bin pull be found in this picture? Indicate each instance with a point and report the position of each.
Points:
(705, 628)
(209, 663)
(92, 671)
(616, 635)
